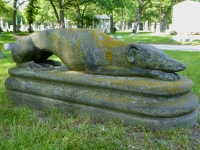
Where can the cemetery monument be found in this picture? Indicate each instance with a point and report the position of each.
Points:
(186, 17)
(104, 23)
(101, 78)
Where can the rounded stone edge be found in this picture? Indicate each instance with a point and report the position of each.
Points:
(132, 84)
(152, 123)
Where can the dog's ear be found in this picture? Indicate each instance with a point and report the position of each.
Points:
(131, 49)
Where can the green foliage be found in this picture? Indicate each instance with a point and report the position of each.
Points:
(110, 5)
(126, 13)
(87, 17)
(151, 12)
(5, 37)
(45, 13)
(30, 11)
(5, 11)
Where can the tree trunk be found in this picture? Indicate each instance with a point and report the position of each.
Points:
(83, 14)
(56, 13)
(112, 30)
(122, 20)
(1, 29)
(62, 21)
(29, 28)
(160, 11)
(164, 24)
(14, 15)
(137, 20)
(79, 17)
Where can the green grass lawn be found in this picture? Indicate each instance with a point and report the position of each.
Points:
(25, 128)
(149, 38)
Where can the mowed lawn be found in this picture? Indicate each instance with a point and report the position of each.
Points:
(151, 38)
(25, 128)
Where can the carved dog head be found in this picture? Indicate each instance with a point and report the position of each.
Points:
(149, 57)
(22, 47)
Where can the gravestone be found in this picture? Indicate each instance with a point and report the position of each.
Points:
(66, 23)
(2, 24)
(104, 78)
(22, 26)
(7, 27)
(186, 17)
(41, 27)
(152, 27)
(133, 24)
(11, 28)
(146, 26)
(104, 23)
(33, 27)
(157, 27)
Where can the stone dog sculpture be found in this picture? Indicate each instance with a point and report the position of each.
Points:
(95, 53)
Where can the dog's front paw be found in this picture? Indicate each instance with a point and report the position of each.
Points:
(164, 75)
(33, 65)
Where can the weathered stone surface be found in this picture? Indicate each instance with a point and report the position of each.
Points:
(148, 102)
(94, 52)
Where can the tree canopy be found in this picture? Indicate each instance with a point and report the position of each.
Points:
(81, 12)
(30, 11)
(5, 11)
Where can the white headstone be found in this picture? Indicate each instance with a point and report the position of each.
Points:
(186, 17)
(126, 27)
(157, 27)
(11, 27)
(2, 26)
(133, 26)
(21, 22)
(41, 27)
(104, 22)
(6, 26)
(66, 23)
(146, 26)
(22, 26)
(34, 27)
(152, 27)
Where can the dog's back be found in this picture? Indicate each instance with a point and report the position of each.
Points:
(72, 45)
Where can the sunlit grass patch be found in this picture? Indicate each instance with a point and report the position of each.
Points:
(150, 38)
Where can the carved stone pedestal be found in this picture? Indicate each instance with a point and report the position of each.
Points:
(150, 103)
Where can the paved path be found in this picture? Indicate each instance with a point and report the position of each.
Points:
(177, 47)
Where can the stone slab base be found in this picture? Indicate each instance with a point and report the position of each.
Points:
(150, 103)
